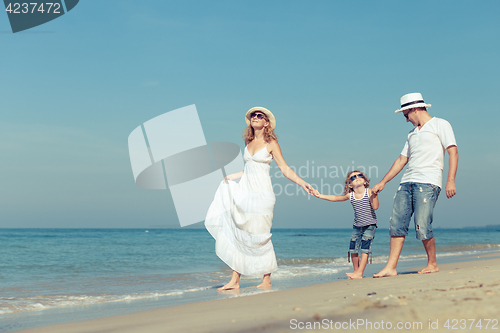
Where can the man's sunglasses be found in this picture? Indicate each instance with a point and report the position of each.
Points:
(258, 115)
(406, 114)
(360, 175)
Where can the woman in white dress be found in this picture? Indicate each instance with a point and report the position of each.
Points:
(241, 215)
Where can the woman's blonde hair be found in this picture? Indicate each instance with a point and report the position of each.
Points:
(347, 188)
(249, 133)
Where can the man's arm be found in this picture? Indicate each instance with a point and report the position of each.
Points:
(451, 189)
(398, 165)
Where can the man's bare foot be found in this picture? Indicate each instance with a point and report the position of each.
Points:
(385, 272)
(229, 286)
(265, 286)
(429, 269)
(354, 275)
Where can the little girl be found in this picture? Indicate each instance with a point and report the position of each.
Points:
(364, 202)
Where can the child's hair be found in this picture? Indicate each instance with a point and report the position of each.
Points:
(347, 188)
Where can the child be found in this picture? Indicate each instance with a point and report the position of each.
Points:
(364, 202)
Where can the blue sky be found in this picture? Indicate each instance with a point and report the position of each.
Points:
(332, 72)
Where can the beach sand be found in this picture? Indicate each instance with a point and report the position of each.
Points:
(460, 294)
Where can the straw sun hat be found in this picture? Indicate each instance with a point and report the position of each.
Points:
(270, 116)
(413, 100)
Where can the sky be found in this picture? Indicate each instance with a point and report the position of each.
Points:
(332, 72)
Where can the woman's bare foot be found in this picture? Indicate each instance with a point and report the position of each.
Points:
(385, 272)
(266, 282)
(354, 275)
(265, 286)
(429, 269)
(234, 283)
(229, 292)
(230, 286)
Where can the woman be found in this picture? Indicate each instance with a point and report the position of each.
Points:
(241, 215)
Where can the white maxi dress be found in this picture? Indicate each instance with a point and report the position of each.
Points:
(241, 216)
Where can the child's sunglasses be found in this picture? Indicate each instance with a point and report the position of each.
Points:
(258, 115)
(360, 175)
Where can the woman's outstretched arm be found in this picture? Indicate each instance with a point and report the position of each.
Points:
(275, 150)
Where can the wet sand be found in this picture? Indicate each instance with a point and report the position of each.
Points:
(459, 295)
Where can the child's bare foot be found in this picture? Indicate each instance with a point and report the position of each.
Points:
(354, 275)
(231, 285)
(429, 269)
(385, 272)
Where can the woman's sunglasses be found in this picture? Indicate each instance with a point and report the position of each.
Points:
(258, 115)
(360, 175)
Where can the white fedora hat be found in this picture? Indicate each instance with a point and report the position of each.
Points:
(413, 100)
(269, 115)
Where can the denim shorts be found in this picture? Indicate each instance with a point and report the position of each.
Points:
(414, 198)
(361, 239)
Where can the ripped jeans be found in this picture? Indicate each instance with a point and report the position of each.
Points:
(414, 198)
(362, 238)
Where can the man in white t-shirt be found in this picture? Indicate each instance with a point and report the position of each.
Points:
(420, 186)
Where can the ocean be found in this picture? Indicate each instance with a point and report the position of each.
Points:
(50, 276)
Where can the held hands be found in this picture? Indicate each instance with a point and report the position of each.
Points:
(451, 189)
(308, 188)
(311, 190)
(378, 188)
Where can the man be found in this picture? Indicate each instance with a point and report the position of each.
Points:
(421, 182)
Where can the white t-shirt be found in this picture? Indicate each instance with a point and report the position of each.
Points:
(425, 151)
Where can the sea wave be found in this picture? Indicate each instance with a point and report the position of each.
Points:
(308, 261)
(447, 251)
(36, 303)
(468, 247)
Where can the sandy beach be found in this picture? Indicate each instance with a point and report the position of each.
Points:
(462, 296)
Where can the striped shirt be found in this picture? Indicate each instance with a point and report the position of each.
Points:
(363, 211)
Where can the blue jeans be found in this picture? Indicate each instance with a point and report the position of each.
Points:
(414, 198)
(361, 239)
